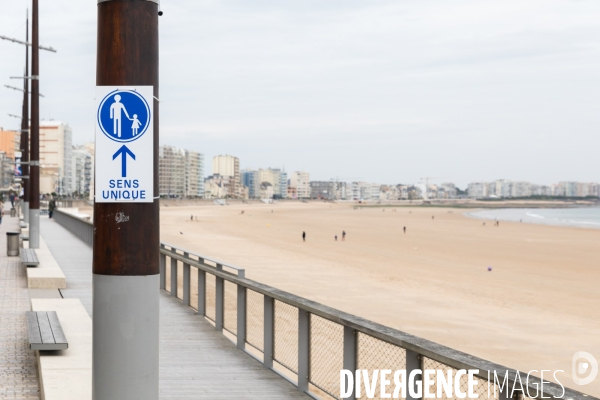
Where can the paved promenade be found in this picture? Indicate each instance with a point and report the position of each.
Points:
(196, 362)
(18, 368)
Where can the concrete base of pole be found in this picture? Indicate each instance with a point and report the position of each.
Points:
(125, 329)
(34, 229)
(25, 212)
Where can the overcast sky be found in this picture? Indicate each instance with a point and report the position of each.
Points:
(382, 91)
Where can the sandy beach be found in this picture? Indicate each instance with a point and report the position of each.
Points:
(533, 311)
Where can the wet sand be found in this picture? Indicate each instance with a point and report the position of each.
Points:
(534, 310)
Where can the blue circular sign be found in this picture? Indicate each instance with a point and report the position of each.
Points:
(124, 116)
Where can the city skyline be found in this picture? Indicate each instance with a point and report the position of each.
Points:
(339, 89)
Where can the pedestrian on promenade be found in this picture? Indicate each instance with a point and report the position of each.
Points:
(303, 236)
(1, 210)
(51, 207)
(343, 236)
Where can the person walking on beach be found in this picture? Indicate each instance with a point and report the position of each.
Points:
(303, 236)
(192, 217)
(404, 229)
(336, 238)
(343, 236)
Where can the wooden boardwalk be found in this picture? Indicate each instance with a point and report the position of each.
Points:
(196, 362)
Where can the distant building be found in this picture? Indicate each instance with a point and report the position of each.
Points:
(229, 166)
(81, 169)
(300, 182)
(217, 186)
(10, 142)
(194, 174)
(171, 171)
(250, 180)
(477, 190)
(365, 191)
(181, 172)
(55, 158)
(323, 190)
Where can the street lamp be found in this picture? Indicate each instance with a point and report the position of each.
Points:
(34, 141)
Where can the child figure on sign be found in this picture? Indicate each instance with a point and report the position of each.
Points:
(135, 124)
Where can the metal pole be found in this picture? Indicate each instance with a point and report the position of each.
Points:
(34, 164)
(126, 255)
(25, 130)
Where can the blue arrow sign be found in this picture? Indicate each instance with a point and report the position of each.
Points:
(123, 151)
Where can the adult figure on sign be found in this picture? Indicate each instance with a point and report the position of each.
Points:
(115, 115)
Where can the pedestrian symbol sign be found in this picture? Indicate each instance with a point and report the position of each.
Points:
(124, 144)
(124, 115)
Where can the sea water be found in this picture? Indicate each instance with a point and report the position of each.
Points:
(585, 217)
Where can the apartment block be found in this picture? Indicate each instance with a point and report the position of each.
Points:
(300, 182)
(229, 166)
(55, 158)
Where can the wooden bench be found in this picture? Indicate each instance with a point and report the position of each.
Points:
(45, 332)
(29, 258)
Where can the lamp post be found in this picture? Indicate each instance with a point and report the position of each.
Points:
(27, 140)
(34, 163)
(126, 255)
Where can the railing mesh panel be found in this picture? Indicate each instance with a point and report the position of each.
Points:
(481, 390)
(255, 316)
(372, 354)
(194, 288)
(326, 354)
(168, 274)
(286, 335)
(211, 294)
(230, 322)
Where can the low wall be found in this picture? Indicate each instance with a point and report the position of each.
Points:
(80, 227)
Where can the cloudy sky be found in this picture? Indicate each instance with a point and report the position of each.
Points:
(383, 91)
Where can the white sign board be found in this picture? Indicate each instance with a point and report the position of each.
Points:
(124, 144)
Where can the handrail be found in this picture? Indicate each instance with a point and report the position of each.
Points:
(435, 351)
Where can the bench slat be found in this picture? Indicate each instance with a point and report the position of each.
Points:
(29, 257)
(45, 330)
(33, 328)
(59, 335)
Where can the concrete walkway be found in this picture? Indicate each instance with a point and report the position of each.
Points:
(18, 368)
(196, 362)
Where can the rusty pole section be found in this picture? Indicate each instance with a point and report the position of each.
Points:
(34, 166)
(126, 254)
(25, 130)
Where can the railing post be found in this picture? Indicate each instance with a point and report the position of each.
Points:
(303, 349)
(201, 291)
(350, 352)
(241, 317)
(413, 361)
(269, 326)
(220, 300)
(173, 275)
(186, 281)
(162, 269)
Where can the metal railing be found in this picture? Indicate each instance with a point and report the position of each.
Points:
(306, 342)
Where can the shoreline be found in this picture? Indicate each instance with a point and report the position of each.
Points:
(528, 216)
